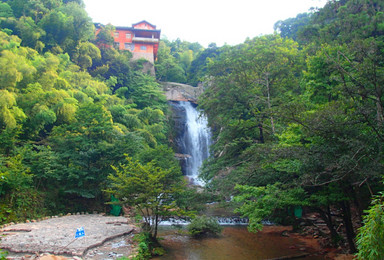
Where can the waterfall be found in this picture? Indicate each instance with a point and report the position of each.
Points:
(222, 220)
(194, 139)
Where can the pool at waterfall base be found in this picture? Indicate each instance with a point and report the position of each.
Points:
(236, 243)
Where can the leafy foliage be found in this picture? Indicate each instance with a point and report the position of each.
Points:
(203, 225)
(3, 255)
(300, 123)
(175, 61)
(19, 199)
(260, 203)
(371, 235)
(148, 247)
(149, 188)
(297, 117)
(69, 109)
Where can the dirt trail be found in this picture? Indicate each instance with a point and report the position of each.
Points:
(57, 236)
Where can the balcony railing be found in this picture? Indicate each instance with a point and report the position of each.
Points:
(143, 39)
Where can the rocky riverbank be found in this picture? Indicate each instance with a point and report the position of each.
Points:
(103, 237)
(108, 237)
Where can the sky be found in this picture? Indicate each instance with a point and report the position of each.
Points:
(203, 21)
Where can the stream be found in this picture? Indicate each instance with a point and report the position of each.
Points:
(235, 242)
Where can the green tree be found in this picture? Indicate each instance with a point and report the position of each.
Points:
(198, 71)
(10, 114)
(83, 147)
(167, 67)
(148, 188)
(343, 21)
(19, 199)
(291, 26)
(371, 234)
(104, 36)
(113, 67)
(5, 10)
(82, 28)
(75, 108)
(315, 126)
(145, 92)
(58, 28)
(260, 203)
(85, 54)
(249, 81)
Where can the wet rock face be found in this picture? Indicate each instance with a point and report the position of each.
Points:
(192, 138)
(175, 93)
(179, 120)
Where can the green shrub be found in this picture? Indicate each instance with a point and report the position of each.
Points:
(203, 225)
(144, 244)
(371, 235)
(3, 255)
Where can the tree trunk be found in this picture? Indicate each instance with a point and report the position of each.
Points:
(357, 198)
(156, 226)
(269, 101)
(379, 112)
(327, 217)
(347, 219)
(261, 138)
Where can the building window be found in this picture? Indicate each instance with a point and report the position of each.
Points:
(128, 35)
(116, 45)
(143, 48)
(116, 34)
(129, 46)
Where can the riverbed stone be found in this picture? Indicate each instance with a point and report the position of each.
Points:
(57, 235)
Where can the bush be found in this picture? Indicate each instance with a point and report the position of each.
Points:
(144, 244)
(203, 225)
(371, 234)
(148, 246)
(3, 255)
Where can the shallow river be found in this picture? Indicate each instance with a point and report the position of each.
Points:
(235, 242)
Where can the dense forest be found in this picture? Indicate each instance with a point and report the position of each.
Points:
(297, 119)
(71, 106)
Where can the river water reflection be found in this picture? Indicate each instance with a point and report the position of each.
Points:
(235, 243)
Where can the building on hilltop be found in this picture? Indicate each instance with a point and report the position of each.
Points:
(142, 39)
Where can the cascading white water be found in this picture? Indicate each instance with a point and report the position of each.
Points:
(195, 141)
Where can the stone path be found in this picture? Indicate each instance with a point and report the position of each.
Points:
(57, 236)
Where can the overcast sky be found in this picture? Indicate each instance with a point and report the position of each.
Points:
(203, 21)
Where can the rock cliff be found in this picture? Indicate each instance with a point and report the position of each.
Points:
(181, 92)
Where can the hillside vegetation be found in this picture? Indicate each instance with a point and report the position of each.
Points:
(297, 119)
(70, 107)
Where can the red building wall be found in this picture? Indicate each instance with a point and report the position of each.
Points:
(123, 37)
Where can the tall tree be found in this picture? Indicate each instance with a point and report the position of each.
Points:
(148, 188)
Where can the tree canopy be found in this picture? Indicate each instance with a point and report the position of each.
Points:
(70, 107)
(297, 118)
